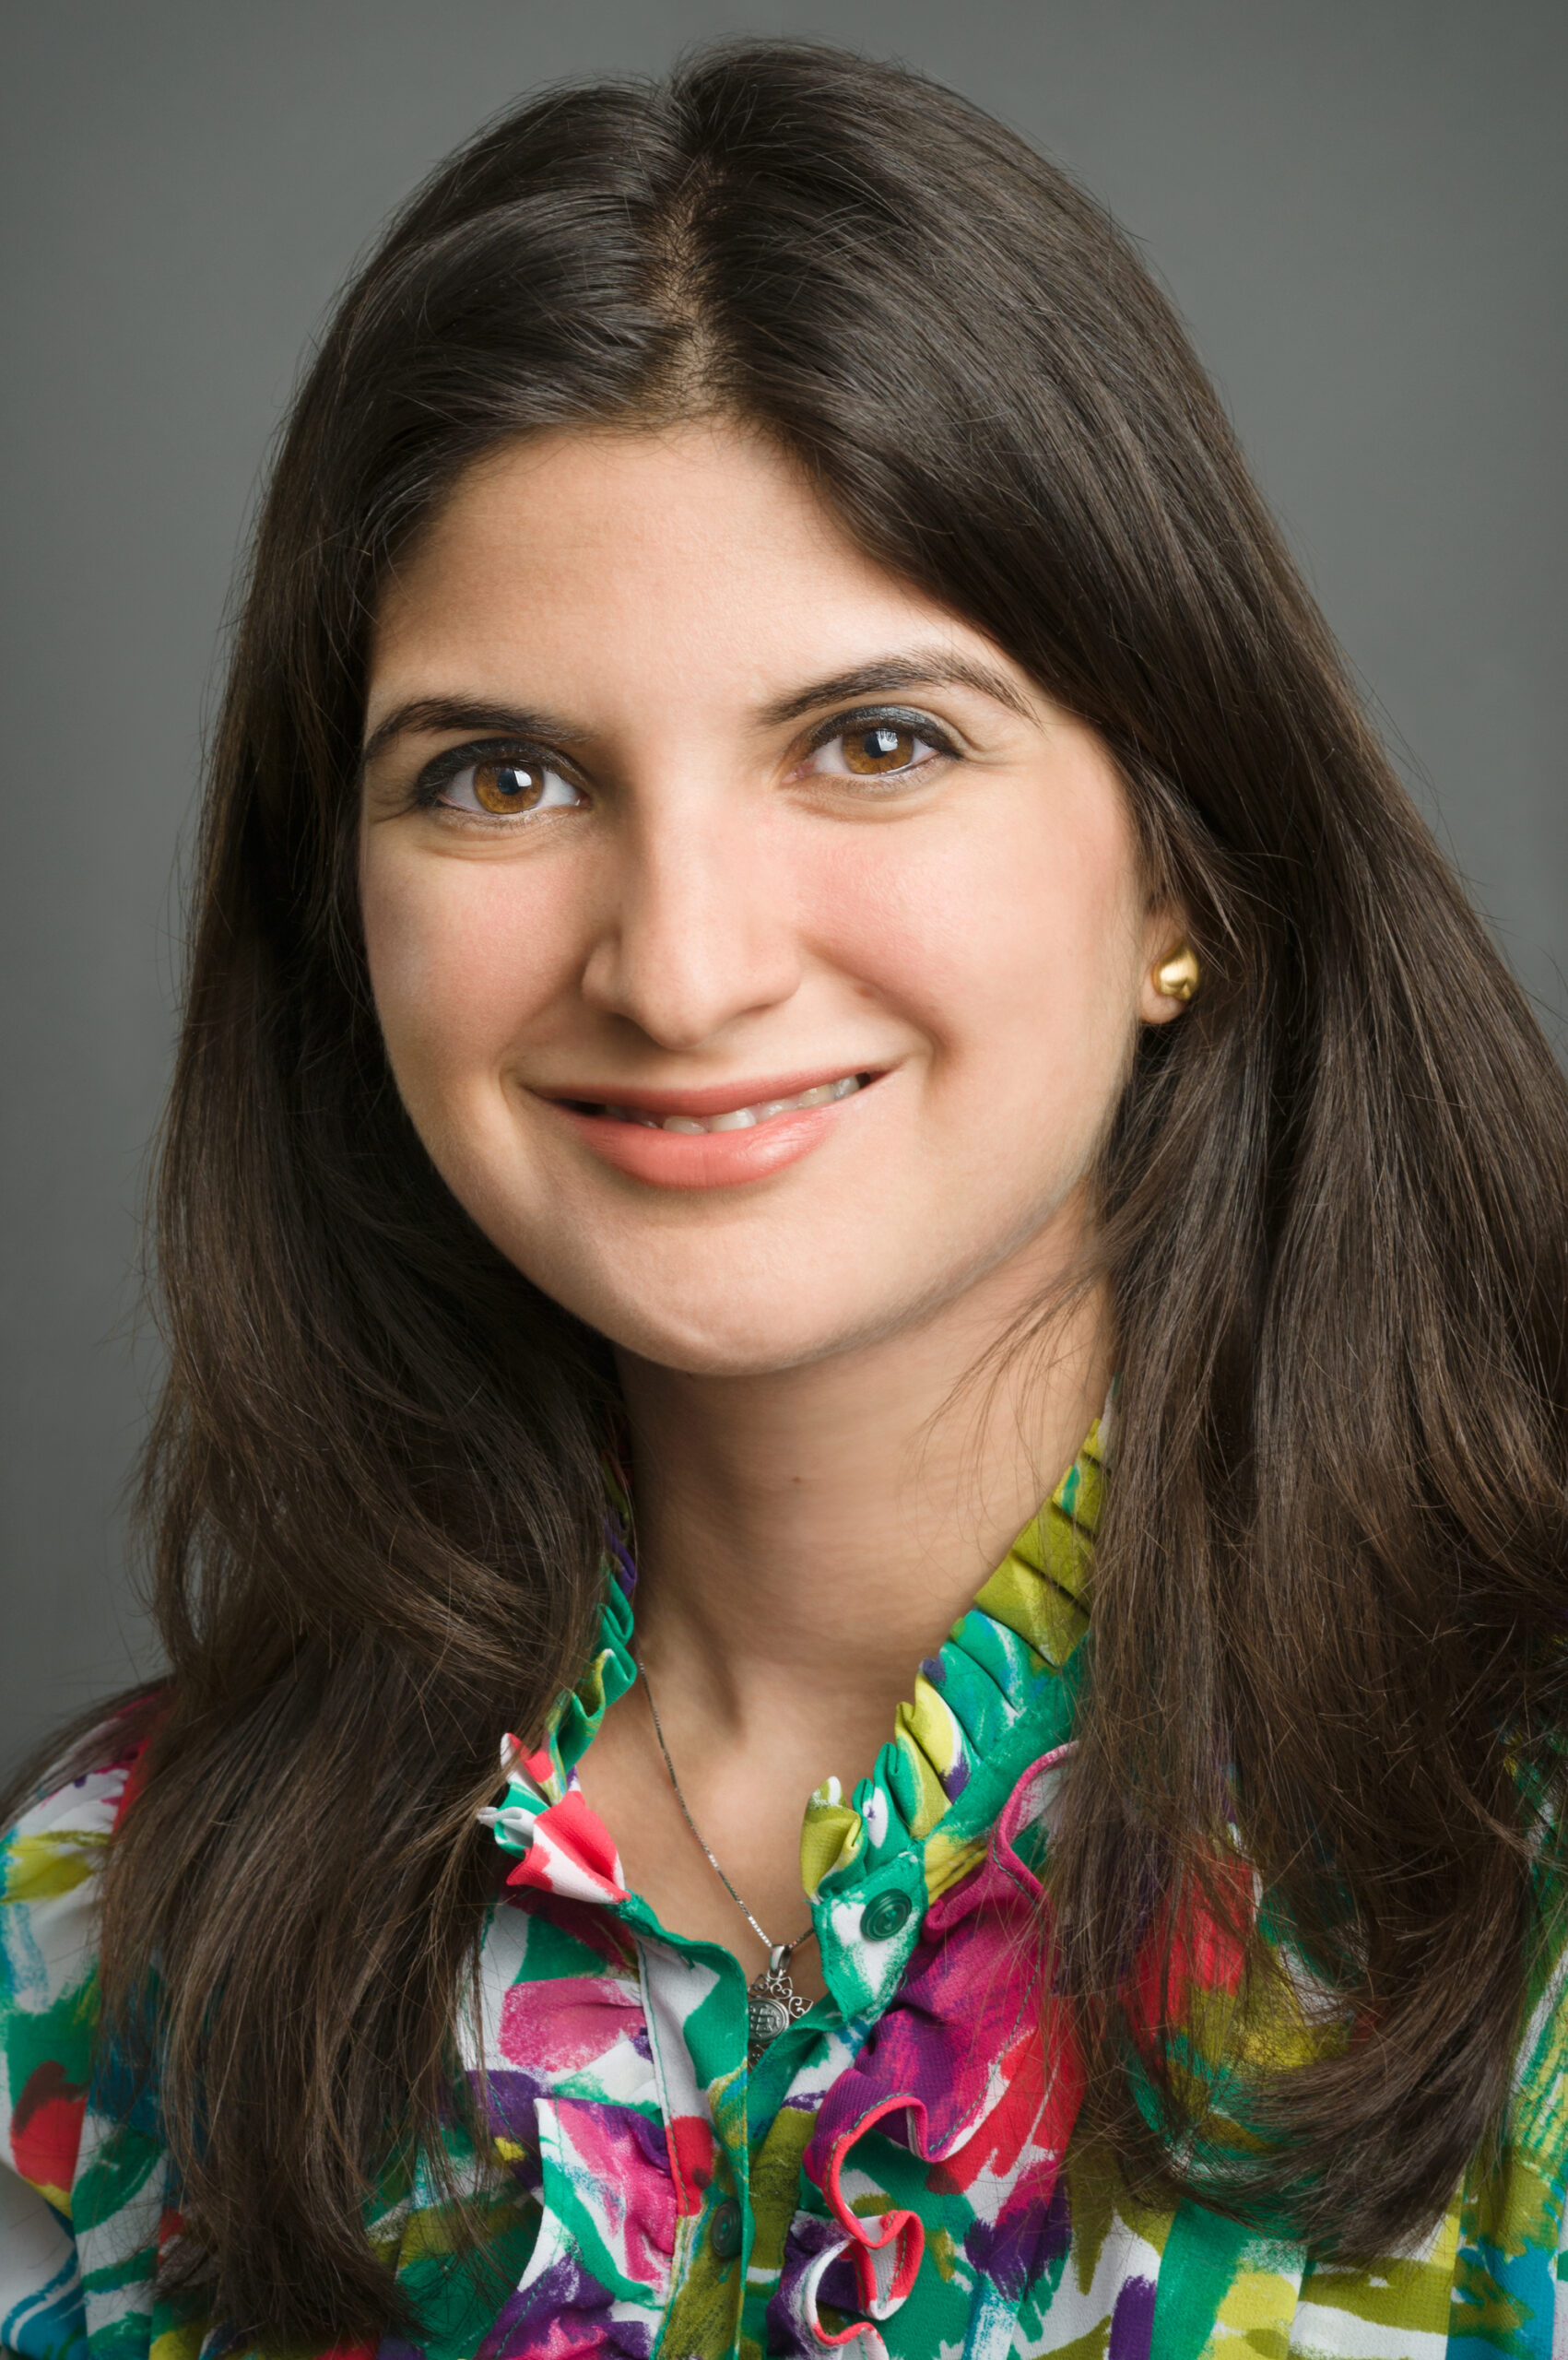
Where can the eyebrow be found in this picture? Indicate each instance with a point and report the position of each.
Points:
(884, 676)
(433, 713)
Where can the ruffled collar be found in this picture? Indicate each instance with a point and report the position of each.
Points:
(1001, 1693)
(974, 1722)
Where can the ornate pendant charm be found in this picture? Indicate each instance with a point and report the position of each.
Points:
(772, 2002)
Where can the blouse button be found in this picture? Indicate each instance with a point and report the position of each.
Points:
(726, 2231)
(887, 1915)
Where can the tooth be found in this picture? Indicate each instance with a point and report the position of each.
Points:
(743, 1118)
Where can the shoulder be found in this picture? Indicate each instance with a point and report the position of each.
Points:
(51, 1856)
(1511, 2275)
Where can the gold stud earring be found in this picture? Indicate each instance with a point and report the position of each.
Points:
(1178, 977)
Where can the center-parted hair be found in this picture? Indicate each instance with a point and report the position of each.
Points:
(1329, 1591)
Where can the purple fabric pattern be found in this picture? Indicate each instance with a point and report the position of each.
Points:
(1132, 2322)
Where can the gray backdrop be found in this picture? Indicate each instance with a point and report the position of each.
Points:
(1357, 203)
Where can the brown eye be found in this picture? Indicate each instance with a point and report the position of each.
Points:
(880, 746)
(503, 788)
(509, 786)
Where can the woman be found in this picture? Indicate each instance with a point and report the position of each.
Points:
(802, 947)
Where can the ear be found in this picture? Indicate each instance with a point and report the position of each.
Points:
(1165, 933)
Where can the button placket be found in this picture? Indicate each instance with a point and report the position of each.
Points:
(727, 2230)
(871, 1936)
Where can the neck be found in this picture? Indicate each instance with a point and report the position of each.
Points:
(806, 1537)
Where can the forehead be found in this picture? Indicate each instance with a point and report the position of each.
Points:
(695, 556)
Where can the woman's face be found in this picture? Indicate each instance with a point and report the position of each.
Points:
(758, 952)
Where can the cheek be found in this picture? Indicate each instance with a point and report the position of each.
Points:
(459, 959)
(1014, 949)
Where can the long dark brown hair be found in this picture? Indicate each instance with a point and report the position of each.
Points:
(1330, 1592)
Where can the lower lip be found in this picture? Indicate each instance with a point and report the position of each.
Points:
(704, 1159)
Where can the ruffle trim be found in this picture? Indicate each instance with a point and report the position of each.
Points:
(949, 1766)
(973, 2069)
(543, 1809)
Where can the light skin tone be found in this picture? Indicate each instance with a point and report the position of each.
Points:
(678, 810)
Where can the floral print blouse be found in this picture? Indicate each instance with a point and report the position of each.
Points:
(894, 2176)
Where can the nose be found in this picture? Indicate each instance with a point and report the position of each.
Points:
(696, 931)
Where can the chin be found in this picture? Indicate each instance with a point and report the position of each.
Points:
(730, 1330)
(722, 1339)
(758, 1313)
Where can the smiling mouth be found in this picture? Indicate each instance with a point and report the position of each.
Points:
(734, 1118)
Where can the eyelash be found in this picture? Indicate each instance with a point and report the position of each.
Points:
(442, 768)
(918, 725)
(439, 773)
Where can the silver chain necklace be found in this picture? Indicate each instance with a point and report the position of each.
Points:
(772, 2003)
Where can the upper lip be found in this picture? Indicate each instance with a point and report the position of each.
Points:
(717, 1098)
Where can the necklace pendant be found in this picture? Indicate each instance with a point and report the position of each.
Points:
(772, 2003)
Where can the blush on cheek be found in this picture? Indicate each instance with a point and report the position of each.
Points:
(459, 964)
(1006, 944)
(906, 930)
